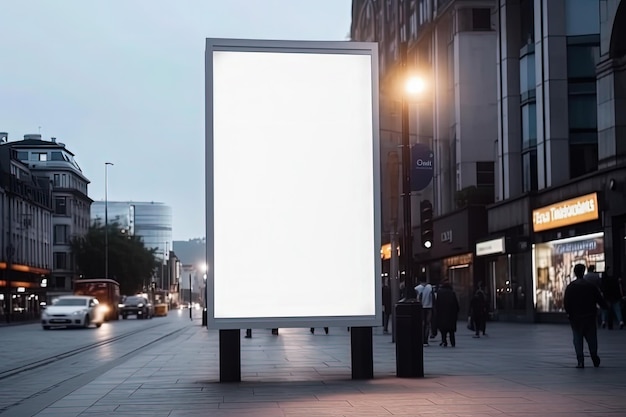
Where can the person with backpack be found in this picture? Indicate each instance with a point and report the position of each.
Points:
(425, 296)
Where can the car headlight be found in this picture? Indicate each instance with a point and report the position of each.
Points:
(140, 305)
(79, 312)
(121, 306)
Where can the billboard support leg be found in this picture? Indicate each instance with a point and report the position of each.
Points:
(230, 355)
(362, 352)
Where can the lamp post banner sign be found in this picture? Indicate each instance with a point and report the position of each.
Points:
(422, 166)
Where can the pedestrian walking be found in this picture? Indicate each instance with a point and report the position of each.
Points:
(424, 293)
(433, 319)
(478, 311)
(386, 296)
(580, 301)
(612, 292)
(447, 306)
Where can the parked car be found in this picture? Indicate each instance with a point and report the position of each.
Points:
(73, 311)
(138, 306)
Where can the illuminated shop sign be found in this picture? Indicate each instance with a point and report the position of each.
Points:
(583, 245)
(385, 251)
(568, 212)
(490, 247)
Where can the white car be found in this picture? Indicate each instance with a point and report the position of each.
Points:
(73, 311)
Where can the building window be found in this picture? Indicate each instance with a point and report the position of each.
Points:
(60, 234)
(57, 180)
(583, 158)
(582, 60)
(474, 20)
(485, 174)
(527, 73)
(60, 206)
(22, 155)
(529, 170)
(60, 260)
(56, 156)
(583, 112)
(529, 125)
(527, 22)
(481, 19)
(583, 54)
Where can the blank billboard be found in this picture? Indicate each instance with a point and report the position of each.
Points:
(292, 158)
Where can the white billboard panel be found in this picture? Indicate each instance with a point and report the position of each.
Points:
(293, 229)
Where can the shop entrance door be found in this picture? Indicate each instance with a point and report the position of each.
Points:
(461, 279)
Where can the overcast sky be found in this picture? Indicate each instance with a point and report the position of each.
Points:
(122, 81)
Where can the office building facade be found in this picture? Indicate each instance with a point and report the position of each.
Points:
(151, 221)
(451, 45)
(46, 204)
(561, 152)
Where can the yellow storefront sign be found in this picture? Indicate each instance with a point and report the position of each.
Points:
(385, 251)
(568, 212)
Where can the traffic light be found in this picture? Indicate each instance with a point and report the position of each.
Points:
(426, 223)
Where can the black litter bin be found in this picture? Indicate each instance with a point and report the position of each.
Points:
(409, 343)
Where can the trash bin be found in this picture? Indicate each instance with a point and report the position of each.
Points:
(409, 343)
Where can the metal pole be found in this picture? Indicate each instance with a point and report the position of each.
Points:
(190, 298)
(407, 242)
(106, 219)
(162, 269)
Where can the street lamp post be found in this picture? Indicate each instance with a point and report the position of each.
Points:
(106, 219)
(413, 86)
(407, 243)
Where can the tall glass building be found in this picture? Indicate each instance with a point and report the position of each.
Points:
(152, 222)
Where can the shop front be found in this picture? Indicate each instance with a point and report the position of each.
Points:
(565, 234)
(451, 255)
(507, 266)
(22, 292)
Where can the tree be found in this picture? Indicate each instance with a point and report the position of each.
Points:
(130, 262)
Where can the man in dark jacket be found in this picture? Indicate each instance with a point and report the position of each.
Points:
(447, 306)
(581, 300)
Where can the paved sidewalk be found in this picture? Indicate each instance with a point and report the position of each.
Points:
(519, 370)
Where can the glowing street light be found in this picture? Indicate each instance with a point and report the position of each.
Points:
(414, 85)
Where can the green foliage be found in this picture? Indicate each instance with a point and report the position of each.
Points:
(130, 262)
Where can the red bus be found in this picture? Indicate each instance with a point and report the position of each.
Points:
(107, 291)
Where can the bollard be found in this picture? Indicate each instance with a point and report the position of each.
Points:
(204, 320)
(409, 343)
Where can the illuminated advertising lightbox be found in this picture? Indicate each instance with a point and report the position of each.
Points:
(576, 210)
(292, 184)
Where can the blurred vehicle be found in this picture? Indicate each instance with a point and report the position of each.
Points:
(107, 291)
(138, 306)
(73, 311)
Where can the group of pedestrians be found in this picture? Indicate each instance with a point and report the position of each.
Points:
(440, 312)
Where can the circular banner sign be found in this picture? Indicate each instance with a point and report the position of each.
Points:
(422, 161)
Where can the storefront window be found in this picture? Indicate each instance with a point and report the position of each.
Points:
(457, 270)
(554, 267)
(511, 286)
